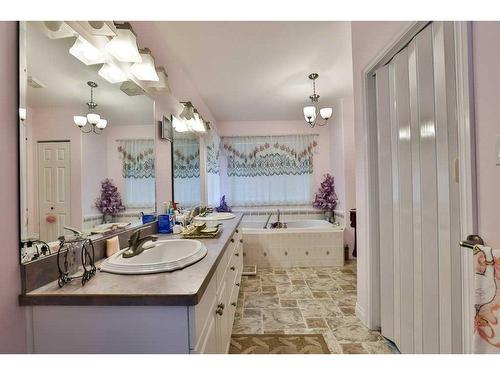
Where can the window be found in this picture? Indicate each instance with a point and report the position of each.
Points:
(269, 170)
(138, 172)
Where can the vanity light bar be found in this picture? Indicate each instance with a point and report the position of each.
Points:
(145, 70)
(123, 46)
(162, 83)
(86, 52)
(112, 74)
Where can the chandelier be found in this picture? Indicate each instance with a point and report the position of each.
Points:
(97, 124)
(311, 111)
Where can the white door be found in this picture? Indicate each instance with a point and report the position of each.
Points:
(53, 188)
(417, 125)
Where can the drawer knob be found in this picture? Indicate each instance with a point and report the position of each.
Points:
(234, 304)
(232, 268)
(232, 239)
(237, 231)
(237, 254)
(241, 241)
(237, 284)
(220, 309)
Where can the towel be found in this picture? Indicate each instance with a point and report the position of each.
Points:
(487, 300)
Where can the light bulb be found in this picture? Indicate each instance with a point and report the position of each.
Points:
(310, 113)
(80, 121)
(93, 118)
(326, 113)
(101, 124)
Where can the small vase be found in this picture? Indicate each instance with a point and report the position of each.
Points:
(329, 216)
(107, 218)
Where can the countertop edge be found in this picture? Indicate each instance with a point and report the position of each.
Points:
(42, 299)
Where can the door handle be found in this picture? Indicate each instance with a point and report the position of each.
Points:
(471, 241)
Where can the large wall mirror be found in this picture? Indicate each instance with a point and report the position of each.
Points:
(79, 176)
(186, 168)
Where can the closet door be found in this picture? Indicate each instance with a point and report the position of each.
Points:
(418, 195)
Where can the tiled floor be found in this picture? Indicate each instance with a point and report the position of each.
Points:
(307, 300)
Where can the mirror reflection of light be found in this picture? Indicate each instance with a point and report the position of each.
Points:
(404, 133)
(428, 130)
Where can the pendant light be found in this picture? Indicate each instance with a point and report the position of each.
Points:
(97, 124)
(311, 111)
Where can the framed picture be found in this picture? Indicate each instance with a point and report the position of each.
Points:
(166, 128)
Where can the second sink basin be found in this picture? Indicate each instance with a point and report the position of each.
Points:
(162, 256)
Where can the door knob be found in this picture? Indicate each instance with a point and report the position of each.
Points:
(471, 241)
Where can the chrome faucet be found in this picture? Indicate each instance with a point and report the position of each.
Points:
(136, 244)
(267, 221)
(278, 223)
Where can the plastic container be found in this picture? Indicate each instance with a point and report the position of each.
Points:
(164, 224)
(148, 218)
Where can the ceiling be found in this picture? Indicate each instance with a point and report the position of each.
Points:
(65, 79)
(254, 71)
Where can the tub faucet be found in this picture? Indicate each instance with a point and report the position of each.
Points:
(278, 223)
(136, 244)
(267, 221)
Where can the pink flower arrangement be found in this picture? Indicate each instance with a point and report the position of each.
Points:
(110, 201)
(325, 198)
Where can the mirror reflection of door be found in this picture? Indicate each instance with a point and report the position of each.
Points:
(54, 171)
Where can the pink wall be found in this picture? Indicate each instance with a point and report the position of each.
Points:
(95, 169)
(486, 60)
(55, 124)
(12, 317)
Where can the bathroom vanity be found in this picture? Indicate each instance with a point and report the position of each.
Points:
(185, 311)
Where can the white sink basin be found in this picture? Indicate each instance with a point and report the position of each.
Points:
(162, 256)
(216, 216)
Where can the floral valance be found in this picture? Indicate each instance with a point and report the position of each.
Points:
(186, 158)
(213, 153)
(138, 158)
(269, 155)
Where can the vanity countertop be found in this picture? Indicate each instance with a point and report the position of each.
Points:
(179, 288)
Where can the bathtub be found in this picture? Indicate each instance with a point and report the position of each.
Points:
(308, 224)
(304, 243)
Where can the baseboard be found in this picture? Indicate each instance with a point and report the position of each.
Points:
(360, 313)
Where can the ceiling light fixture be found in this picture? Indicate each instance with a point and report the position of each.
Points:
(188, 111)
(86, 52)
(180, 125)
(145, 70)
(58, 30)
(123, 46)
(97, 124)
(162, 83)
(22, 114)
(193, 120)
(311, 111)
(112, 74)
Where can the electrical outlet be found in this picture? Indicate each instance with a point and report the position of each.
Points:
(497, 150)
